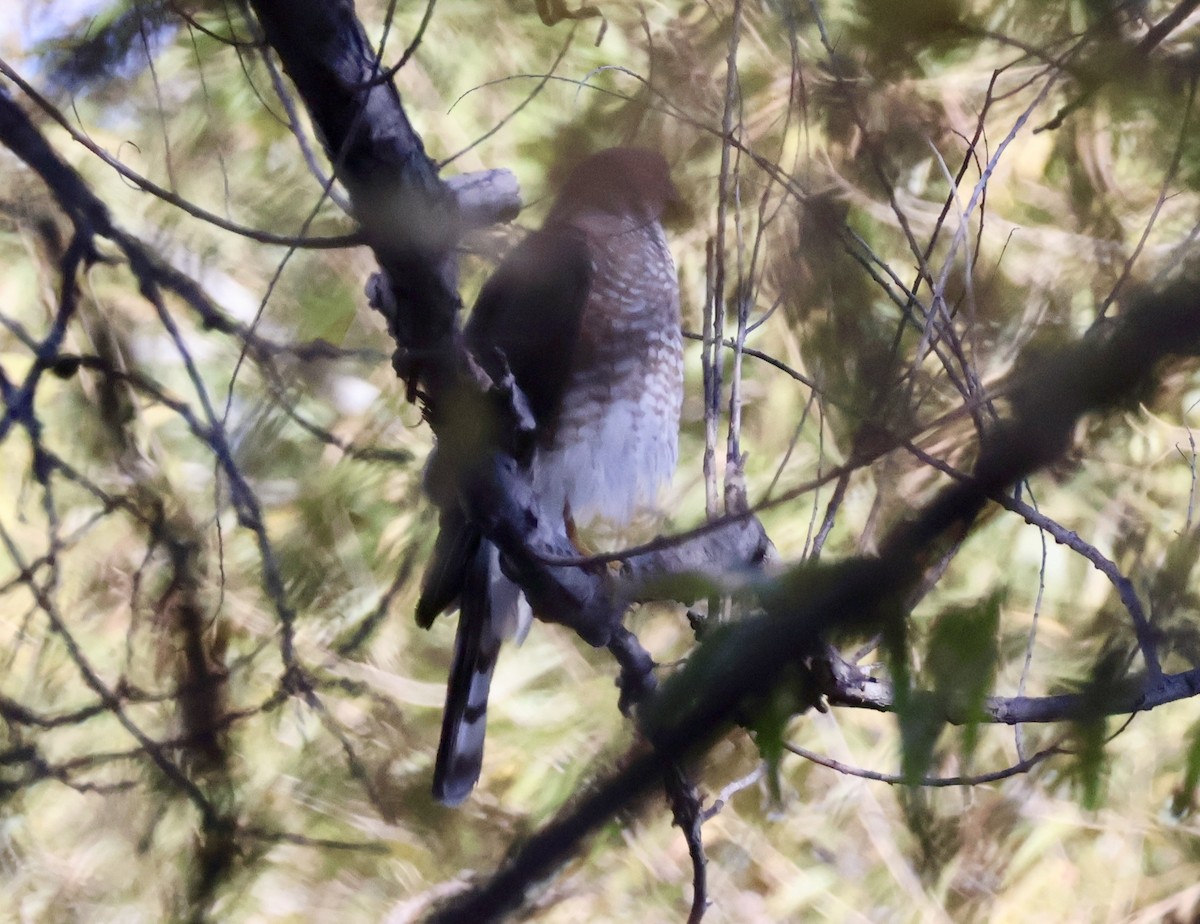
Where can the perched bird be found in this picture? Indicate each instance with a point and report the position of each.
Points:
(585, 315)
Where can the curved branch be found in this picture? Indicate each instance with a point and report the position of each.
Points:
(935, 782)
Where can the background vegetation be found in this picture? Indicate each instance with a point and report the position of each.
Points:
(1021, 168)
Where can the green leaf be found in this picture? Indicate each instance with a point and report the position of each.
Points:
(921, 723)
(1090, 729)
(1090, 766)
(1183, 800)
(768, 718)
(963, 650)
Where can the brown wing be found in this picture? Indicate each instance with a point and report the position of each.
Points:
(528, 317)
(529, 312)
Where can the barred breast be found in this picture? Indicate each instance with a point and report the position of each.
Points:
(616, 439)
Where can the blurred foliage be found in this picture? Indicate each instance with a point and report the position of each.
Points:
(879, 146)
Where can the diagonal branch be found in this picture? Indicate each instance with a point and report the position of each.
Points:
(738, 661)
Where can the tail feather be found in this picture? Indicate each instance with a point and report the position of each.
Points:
(464, 721)
(465, 569)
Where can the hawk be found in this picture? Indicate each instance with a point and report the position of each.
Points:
(584, 313)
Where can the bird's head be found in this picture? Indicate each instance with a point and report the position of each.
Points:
(619, 181)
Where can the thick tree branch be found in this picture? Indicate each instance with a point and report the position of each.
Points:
(412, 220)
(847, 685)
(736, 541)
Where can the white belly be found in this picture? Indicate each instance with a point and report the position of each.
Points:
(613, 467)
